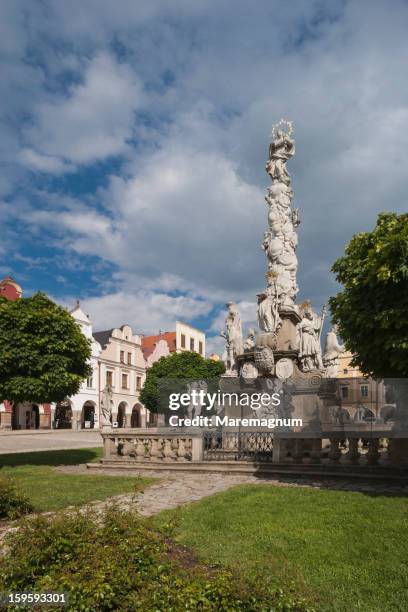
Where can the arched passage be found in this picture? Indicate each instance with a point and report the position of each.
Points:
(63, 415)
(122, 414)
(88, 415)
(25, 416)
(136, 420)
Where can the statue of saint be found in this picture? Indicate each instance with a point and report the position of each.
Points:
(281, 149)
(332, 352)
(233, 337)
(249, 342)
(309, 329)
(106, 405)
(268, 316)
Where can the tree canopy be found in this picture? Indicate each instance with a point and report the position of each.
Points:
(372, 309)
(43, 352)
(183, 366)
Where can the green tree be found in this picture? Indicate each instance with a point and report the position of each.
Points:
(183, 366)
(372, 309)
(43, 353)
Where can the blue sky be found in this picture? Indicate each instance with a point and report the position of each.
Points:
(134, 138)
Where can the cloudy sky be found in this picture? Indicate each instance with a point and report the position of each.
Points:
(134, 137)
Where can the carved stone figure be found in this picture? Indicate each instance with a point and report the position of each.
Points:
(281, 149)
(264, 359)
(193, 409)
(106, 405)
(233, 337)
(309, 330)
(332, 352)
(249, 342)
(268, 316)
(249, 371)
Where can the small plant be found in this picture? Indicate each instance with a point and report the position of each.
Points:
(13, 504)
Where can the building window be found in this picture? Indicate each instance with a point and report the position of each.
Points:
(109, 378)
(138, 383)
(125, 381)
(89, 381)
(129, 358)
(344, 392)
(191, 344)
(364, 390)
(345, 371)
(183, 341)
(200, 348)
(122, 356)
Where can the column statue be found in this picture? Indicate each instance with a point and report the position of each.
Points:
(233, 338)
(106, 406)
(309, 331)
(332, 352)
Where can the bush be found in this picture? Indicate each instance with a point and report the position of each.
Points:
(12, 503)
(114, 562)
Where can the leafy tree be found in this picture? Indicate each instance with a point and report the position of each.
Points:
(182, 366)
(43, 353)
(372, 309)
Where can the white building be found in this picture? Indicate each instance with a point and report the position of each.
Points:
(81, 411)
(189, 338)
(123, 368)
(184, 338)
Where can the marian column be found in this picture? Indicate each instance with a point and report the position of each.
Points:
(278, 314)
(291, 331)
(288, 343)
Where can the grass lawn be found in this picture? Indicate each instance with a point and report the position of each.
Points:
(49, 490)
(344, 550)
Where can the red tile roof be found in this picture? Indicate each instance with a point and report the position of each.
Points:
(149, 342)
(9, 289)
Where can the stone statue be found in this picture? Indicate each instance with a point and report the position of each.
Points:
(332, 352)
(233, 337)
(194, 409)
(309, 330)
(281, 149)
(106, 406)
(268, 316)
(249, 342)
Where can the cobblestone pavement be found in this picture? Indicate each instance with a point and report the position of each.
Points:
(178, 488)
(60, 439)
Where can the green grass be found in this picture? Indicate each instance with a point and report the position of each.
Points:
(344, 550)
(47, 489)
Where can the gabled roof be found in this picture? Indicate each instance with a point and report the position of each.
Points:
(149, 343)
(103, 337)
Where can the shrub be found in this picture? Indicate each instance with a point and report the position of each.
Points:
(12, 503)
(114, 562)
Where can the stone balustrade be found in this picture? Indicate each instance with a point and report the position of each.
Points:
(151, 445)
(164, 445)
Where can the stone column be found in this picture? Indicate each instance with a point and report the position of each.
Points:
(197, 448)
(279, 450)
(316, 450)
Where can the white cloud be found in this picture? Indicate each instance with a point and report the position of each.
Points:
(94, 120)
(145, 311)
(43, 163)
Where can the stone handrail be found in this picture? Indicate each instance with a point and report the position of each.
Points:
(165, 445)
(151, 445)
